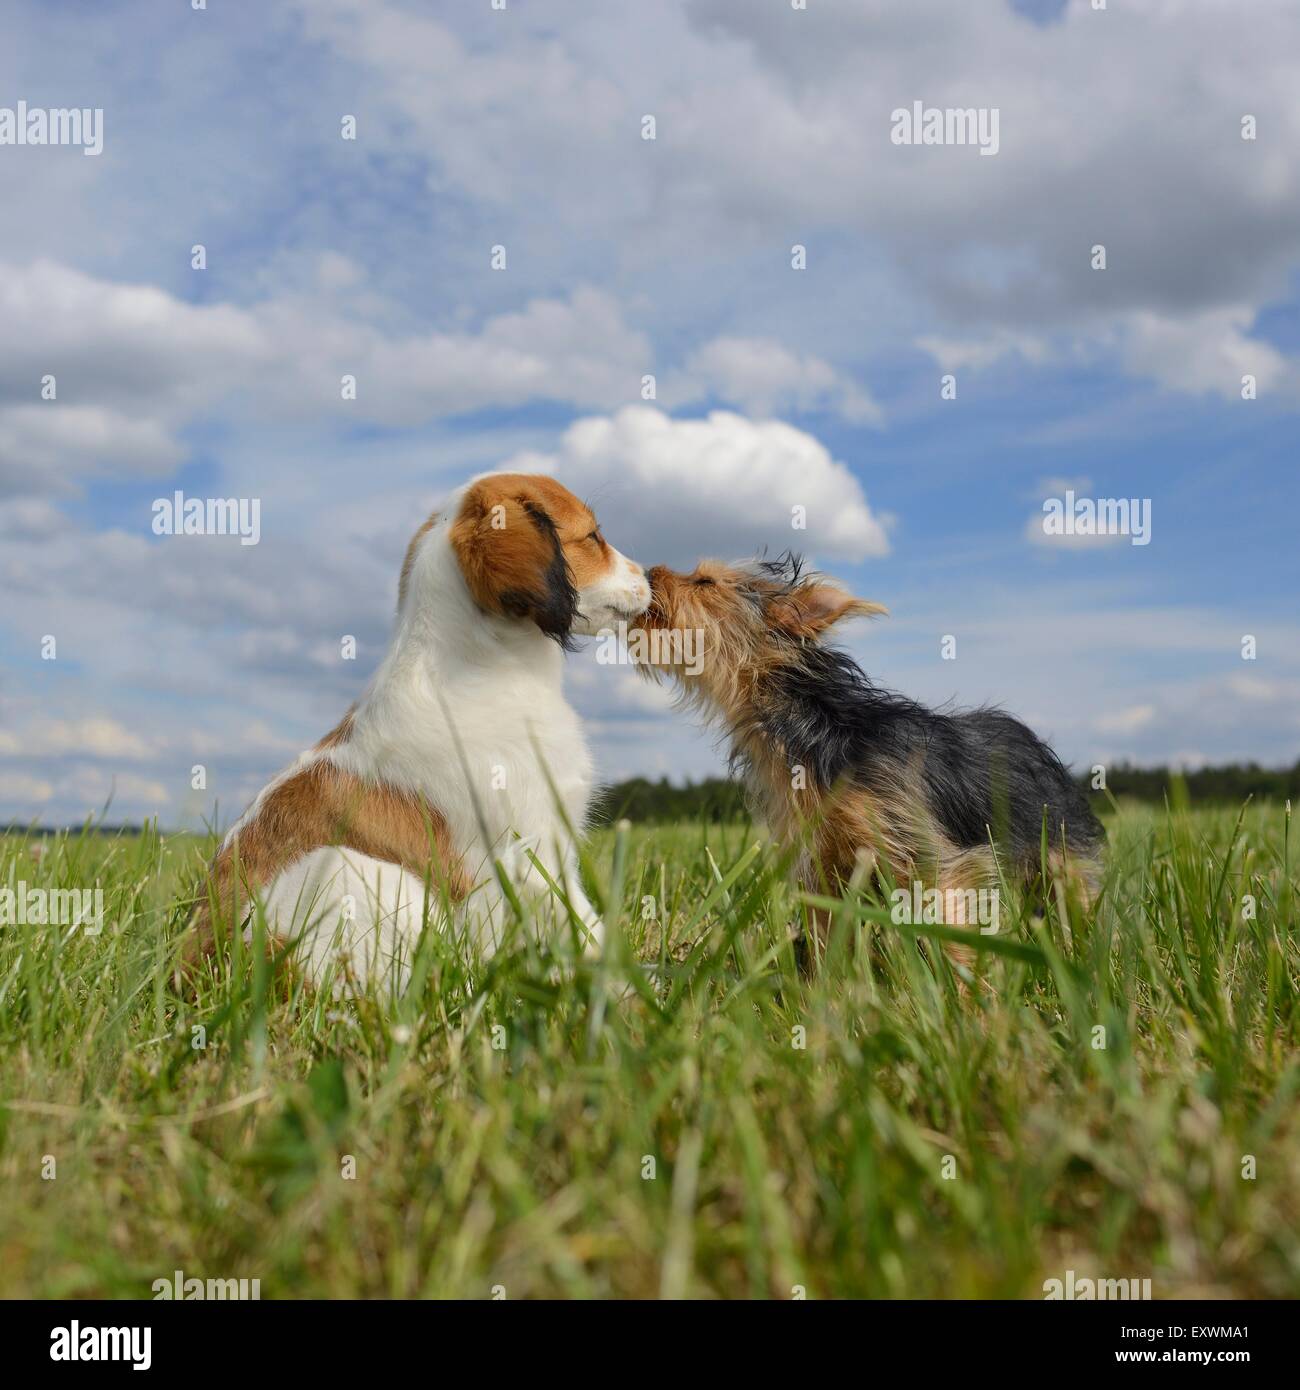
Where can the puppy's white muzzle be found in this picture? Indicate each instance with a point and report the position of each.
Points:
(623, 592)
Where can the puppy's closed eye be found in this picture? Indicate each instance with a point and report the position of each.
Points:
(703, 580)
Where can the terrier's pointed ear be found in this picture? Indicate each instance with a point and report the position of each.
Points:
(812, 608)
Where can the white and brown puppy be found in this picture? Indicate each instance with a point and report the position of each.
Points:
(462, 754)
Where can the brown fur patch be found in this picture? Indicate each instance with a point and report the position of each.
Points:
(503, 551)
(317, 807)
(340, 733)
(902, 843)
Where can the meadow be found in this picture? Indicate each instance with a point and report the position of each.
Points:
(1113, 1093)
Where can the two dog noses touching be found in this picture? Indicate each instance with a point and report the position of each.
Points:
(459, 783)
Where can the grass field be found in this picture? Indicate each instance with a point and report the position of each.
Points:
(733, 1129)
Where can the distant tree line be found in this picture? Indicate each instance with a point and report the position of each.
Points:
(720, 799)
(1231, 783)
(638, 799)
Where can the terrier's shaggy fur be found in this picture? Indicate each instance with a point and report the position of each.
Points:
(839, 767)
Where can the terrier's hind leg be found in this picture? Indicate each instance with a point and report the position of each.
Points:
(969, 896)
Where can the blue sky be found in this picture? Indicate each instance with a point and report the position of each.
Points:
(775, 388)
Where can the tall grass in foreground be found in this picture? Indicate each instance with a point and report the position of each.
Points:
(1119, 1097)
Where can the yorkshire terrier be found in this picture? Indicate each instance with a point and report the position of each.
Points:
(845, 773)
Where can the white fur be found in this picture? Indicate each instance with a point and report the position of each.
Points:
(352, 915)
(467, 711)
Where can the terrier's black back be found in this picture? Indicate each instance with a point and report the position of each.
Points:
(983, 774)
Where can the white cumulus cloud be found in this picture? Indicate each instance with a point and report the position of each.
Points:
(765, 378)
(670, 491)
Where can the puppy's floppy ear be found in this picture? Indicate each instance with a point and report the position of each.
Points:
(510, 554)
(808, 610)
